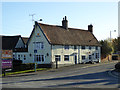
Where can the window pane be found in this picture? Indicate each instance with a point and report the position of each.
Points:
(39, 58)
(57, 57)
(66, 57)
(96, 48)
(90, 57)
(83, 57)
(75, 47)
(42, 58)
(42, 46)
(38, 45)
(24, 57)
(66, 47)
(90, 47)
(83, 47)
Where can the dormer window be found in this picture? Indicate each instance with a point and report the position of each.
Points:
(83, 47)
(66, 47)
(75, 47)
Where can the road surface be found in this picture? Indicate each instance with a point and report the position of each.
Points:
(80, 76)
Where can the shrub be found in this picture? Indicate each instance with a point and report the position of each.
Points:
(22, 67)
(117, 66)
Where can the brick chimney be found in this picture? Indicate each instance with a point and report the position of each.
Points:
(65, 23)
(90, 28)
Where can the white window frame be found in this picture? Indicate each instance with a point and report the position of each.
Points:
(83, 48)
(19, 57)
(38, 45)
(39, 58)
(83, 56)
(66, 56)
(66, 47)
(58, 57)
(24, 57)
(90, 57)
(90, 47)
(75, 47)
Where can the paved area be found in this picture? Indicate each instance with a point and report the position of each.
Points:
(80, 76)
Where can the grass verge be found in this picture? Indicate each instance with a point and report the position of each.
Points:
(25, 71)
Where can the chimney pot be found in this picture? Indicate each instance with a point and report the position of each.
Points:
(90, 28)
(65, 23)
(65, 18)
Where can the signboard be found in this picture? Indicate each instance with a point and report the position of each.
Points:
(6, 64)
(6, 59)
(6, 54)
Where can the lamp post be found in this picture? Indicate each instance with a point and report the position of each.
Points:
(111, 35)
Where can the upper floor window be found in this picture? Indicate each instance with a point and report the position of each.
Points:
(96, 48)
(83, 47)
(57, 57)
(75, 47)
(66, 57)
(66, 46)
(38, 45)
(90, 47)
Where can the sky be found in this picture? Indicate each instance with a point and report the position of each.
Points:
(17, 19)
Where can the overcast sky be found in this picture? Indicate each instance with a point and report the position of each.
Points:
(103, 16)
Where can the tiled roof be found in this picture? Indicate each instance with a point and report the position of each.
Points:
(9, 42)
(25, 39)
(57, 35)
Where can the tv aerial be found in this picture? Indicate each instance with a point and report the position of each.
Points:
(32, 15)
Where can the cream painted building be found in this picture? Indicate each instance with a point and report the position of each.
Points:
(50, 43)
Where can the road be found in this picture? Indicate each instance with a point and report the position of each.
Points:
(80, 76)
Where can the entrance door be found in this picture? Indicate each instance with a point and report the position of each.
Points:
(75, 58)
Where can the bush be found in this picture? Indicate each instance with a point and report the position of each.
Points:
(117, 66)
(22, 67)
(16, 62)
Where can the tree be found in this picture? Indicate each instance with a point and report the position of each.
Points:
(118, 44)
(115, 45)
(106, 48)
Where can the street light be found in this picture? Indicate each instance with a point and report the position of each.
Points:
(111, 35)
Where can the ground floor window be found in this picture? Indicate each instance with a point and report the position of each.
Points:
(24, 57)
(83, 57)
(57, 58)
(39, 58)
(18, 57)
(13, 57)
(90, 57)
(66, 57)
(97, 55)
